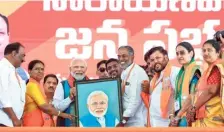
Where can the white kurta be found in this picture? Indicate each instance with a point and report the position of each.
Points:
(133, 105)
(59, 102)
(155, 112)
(12, 92)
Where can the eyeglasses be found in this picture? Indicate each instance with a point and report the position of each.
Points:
(102, 69)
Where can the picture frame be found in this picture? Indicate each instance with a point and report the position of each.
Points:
(98, 101)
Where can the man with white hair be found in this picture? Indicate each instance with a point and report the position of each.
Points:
(134, 110)
(98, 116)
(64, 96)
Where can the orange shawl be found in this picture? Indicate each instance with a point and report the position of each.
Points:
(165, 95)
(47, 120)
(202, 86)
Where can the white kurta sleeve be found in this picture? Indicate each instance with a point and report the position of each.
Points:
(5, 100)
(58, 100)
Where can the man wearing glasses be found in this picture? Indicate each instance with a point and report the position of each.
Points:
(101, 69)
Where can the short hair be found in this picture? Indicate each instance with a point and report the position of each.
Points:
(100, 63)
(187, 46)
(154, 49)
(146, 56)
(78, 59)
(33, 63)
(6, 21)
(12, 47)
(129, 48)
(111, 60)
(50, 75)
(94, 93)
(215, 44)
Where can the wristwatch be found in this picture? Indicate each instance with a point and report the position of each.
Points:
(124, 121)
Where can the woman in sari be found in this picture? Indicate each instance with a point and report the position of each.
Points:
(187, 79)
(207, 110)
(37, 111)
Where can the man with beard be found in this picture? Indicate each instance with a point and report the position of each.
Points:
(132, 76)
(98, 116)
(113, 68)
(162, 87)
(64, 96)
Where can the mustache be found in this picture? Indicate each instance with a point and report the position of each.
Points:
(51, 87)
(78, 73)
(100, 109)
(156, 64)
(160, 66)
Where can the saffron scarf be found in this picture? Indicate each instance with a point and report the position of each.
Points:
(202, 86)
(184, 78)
(167, 90)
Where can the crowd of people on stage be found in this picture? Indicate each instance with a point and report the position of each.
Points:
(159, 94)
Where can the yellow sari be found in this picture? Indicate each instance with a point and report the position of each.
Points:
(212, 113)
(33, 116)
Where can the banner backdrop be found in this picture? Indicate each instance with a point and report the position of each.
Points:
(56, 31)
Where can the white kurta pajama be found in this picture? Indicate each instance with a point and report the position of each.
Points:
(155, 112)
(133, 105)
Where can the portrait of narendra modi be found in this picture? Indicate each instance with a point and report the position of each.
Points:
(99, 107)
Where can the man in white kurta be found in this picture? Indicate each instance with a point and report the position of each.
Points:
(135, 112)
(64, 96)
(12, 88)
(155, 113)
(158, 59)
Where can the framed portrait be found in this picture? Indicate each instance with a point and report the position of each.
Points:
(98, 103)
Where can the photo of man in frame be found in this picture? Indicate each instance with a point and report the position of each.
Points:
(97, 104)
